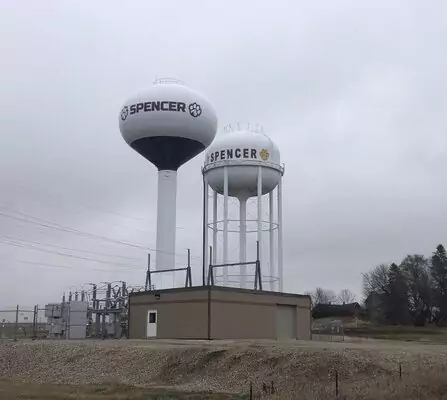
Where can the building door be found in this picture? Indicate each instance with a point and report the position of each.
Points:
(151, 328)
(285, 321)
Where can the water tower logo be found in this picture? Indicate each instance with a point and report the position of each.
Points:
(195, 110)
(124, 113)
(264, 153)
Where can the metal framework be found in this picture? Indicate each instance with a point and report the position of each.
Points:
(107, 306)
(106, 310)
(275, 256)
(257, 264)
(188, 280)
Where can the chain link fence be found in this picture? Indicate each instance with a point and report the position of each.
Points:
(328, 330)
(22, 323)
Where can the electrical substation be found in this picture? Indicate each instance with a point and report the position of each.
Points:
(240, 295)
(100, 312)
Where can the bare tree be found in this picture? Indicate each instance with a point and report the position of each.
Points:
(376, 281)
(322, 296)
(312, 298)
(346, 297)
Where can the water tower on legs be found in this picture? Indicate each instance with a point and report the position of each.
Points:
(168, 124)
(244, 164)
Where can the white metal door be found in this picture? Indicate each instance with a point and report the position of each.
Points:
(152, 319)
(285, 321)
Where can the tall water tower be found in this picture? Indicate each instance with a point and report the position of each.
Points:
(168, 124)
(244, 164)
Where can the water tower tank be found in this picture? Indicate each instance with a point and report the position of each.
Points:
(244, 151)
(168, 124)
(244, 163)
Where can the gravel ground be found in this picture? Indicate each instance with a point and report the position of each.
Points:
(294, 367)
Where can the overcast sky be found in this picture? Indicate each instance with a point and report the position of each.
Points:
(353, 93)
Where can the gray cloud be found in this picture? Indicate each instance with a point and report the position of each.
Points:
(353, 94)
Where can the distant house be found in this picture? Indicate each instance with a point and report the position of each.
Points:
(336, 310)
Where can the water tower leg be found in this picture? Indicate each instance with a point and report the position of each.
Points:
(243, 241)
(214, 253)
(205, 230)
(166, 220)
(271, 242)
(225, 228)
(260, 215)
(280, 255)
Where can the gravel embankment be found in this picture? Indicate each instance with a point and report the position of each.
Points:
(221, 367)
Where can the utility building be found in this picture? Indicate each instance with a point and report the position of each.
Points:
(216, 312)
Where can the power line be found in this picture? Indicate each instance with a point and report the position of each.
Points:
(82, 204)
(31, 247)
(72, 249)
(41, 264)
(59, 227)
(86, 205)
(16, 243)
(62, 228)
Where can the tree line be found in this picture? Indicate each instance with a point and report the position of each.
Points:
(324, 296)
(412, 292)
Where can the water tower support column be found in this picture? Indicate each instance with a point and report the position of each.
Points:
(205, 230)
(271, 242)
(225, 227)
(214, 254)
(280, 256)
(166, 219)
(243, 241)
(260, 215)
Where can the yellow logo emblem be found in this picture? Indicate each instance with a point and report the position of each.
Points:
(264, 154)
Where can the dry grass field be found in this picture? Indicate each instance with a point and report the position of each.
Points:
(136, 370)
(407, 333)
(28, 391)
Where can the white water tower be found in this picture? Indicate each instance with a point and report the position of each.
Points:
(244, 164)
(168, 124)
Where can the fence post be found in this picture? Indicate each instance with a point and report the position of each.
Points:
(251, 391)
(336, 383)
(16, 325)
(36, 311)
(400, 370)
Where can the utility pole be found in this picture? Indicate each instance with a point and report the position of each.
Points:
(96, 311)
(36, 310)
(16, 325)
(148, 273)
(123, 294)
(107, 309)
